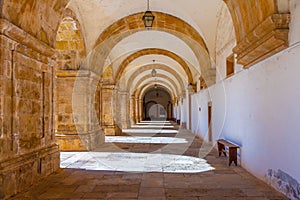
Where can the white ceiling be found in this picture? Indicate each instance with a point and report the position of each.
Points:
(154, 39)
(159, 59)
(95, 16)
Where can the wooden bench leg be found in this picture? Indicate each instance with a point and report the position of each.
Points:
(221, 148)
(232, 155)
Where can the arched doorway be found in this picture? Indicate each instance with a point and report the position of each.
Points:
(156, 104)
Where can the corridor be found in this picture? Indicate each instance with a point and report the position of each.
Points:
(152, 161)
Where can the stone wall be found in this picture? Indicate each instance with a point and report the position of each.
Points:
(27, 147)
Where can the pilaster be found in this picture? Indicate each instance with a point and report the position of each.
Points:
(123, 111)
(28, 151)
(132, 110)
(140, 113)
(108, 110)
(76, 127)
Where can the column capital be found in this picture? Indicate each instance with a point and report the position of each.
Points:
(123, 92)
(108, 86)
(191, 88)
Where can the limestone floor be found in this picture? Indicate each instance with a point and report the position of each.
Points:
(154, 162)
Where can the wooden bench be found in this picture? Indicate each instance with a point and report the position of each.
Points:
(232, 152)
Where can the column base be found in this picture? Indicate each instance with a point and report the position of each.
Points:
(183, 125)
(80, 142)
(112, 130)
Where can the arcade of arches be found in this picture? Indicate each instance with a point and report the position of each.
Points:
(75, 72)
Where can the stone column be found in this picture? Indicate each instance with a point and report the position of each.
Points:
(190, 92)
(140, 115)
(76, 120)
(123, 111)
(137, 109)
(174, 109)
(132, 110)
(108, 110)
(179, 105)
(184, 112)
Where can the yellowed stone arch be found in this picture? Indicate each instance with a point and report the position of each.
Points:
(159, 76)
(261, 28)
(163, 22)
(139, 93)
(143, 52)
(147, 67)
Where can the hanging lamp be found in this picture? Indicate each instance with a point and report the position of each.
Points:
(148, 17)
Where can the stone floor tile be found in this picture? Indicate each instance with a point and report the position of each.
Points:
(152, 182)
(94, 195)
(152, 198)
(122, 195)
(182, 198)
(222, 182)
(151, 192)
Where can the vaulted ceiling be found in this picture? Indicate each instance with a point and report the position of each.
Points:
(182, 41)
(180, 46)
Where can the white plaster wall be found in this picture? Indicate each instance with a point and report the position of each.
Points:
(258, 108)
(294, 35)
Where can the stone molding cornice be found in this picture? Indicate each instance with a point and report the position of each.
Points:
(268, 38)
(15, 33)
(73, 73)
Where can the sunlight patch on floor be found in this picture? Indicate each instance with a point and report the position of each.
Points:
(145, 140)
(151, 126)
(154, 122)
(152, 131)
(133, 162)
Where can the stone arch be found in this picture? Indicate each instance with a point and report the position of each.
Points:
(261, 28)
(68, 13)
(163, 22)
(159, 76)
(143, 52)
(141, 90)
(147, 67)
(70, 45)
(33, 17)
(247, 15)
(153, 104)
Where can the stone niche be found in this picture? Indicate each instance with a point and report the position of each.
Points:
(28, 151)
